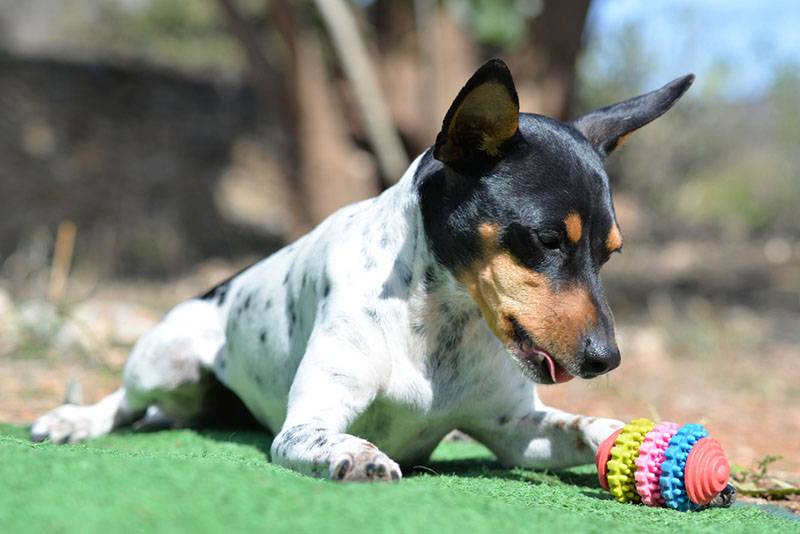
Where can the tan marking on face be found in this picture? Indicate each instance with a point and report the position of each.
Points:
(574, 227)
(505, 289)
(614, 239)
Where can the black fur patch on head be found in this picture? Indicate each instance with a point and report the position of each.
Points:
(524, 201)
(553, 172)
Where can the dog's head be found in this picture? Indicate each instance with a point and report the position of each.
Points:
(518, 207)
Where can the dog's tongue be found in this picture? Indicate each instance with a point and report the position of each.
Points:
(558, 374)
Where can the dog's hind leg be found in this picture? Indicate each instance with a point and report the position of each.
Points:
(170, 367)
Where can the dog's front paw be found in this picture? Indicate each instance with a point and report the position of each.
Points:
(71, 423)
(598, 430)
(368, 465)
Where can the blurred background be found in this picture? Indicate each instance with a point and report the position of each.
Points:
(149, 148)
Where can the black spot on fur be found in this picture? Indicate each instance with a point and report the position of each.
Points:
(263, 337)
(286, 278)
(259, 380)
(247, 302)
(372, 313)
(384, 241)
(503, 419)
(327, 289)
(268, 304)
(369, 263)
(321, 441)
(220, 290)
(291, 312)
(535, 417)
(418, 328)
(404, 272)
(447, 353)
(223, 363)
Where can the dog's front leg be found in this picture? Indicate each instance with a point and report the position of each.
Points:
(334, 384)
(545, 438)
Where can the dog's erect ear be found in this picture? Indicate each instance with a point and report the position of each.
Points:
(607, 128)
(483, 117)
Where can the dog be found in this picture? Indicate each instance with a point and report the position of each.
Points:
(438, 305)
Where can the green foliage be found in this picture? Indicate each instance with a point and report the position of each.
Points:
(611, 68)
(177, 33)
(751, 188)
(785, 96)
(760, 482)
(499, 23)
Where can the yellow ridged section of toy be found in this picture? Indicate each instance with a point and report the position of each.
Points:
(621, 466)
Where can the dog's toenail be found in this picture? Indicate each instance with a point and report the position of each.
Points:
(381, 471)
(395, 475)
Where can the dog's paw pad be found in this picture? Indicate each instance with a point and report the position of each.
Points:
(366, 467)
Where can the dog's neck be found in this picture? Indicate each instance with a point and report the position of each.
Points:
(435, 296)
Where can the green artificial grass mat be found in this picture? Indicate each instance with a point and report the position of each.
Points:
(222, 481)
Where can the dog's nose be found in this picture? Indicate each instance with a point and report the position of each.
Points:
(599, 357)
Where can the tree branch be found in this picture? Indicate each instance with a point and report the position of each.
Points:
(343, 30)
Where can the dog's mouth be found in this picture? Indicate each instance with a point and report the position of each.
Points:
(535, 360)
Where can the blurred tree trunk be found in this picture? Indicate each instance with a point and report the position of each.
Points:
(423, 54)
(259, 65)
(352, 55)
(426, 55)
(323, 170)
(544, 66)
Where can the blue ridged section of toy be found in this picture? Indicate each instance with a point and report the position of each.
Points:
(671, 483)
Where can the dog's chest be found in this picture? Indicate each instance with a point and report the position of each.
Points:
(444, 366)
(452, 374)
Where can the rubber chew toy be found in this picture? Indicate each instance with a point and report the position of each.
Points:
(666, 465)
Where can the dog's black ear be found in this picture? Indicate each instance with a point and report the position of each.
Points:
(481, 120)
(608, 128)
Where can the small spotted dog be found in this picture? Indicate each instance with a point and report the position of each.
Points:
(437, 305)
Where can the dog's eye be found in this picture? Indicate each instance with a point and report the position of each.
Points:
(550, 238)
(524, 244)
